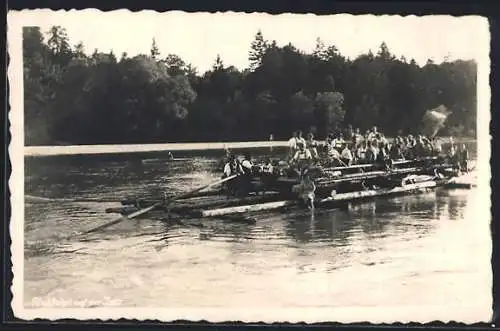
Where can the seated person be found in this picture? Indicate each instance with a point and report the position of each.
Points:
(383, 154)
(346, 156)
(311, 145)
(357, 137)
(333, 156)
(361, 153)
(371, 152)
(437, 148)
(338, 142)
(396, 152)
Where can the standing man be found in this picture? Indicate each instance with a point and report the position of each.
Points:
(292, 145)
(302, 159)
(300, 139)
(231, 168)
(246, 178)
(464, 159)
(311, 145)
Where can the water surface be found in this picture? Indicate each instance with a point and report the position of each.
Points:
(428, 252)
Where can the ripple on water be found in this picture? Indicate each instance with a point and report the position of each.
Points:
(372, 247)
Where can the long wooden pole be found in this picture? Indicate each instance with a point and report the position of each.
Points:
(145, 210)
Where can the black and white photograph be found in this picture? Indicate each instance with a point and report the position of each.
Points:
(249, 167)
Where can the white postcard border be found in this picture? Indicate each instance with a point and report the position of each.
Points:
(15, 22)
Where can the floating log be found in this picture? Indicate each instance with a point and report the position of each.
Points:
(122, 210)
(459, 185)
(209, 194)
(372, 165)
(190, 206)
(366, 175)
(224, 202)
(246, 208)
(380, 192)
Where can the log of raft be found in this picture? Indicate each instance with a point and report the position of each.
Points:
(350, 196)
(367, 175)
(380, 192)
(404, 177)
(395, 163)
(190, 206)
(246, 208)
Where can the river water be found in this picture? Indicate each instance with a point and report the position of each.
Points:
(424, 257)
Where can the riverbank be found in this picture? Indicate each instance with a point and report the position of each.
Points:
(172, 147)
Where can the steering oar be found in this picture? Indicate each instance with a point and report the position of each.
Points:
(156, 205)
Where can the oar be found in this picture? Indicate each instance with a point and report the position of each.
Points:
(145, 210)
(344, 164)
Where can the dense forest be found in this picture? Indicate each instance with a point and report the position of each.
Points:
(73, 98)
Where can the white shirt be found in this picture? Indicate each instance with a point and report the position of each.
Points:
(292, 143)
(346, 154)
(332, 152)
(338, 142)
(372, 135)
(299, 141)
(362, 152)
(269, 168)
(246, 164)
(227, 169)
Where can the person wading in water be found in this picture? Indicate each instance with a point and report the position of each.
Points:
(305, 190)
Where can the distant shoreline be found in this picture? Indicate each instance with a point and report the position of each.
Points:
(170, 147)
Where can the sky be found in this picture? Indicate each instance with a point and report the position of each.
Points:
(198, 37)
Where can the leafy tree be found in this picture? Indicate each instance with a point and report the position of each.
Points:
(301, 110)
(218, 64)
(175, 65)
(329, 110)
(155, 52)
(258, 48)
(74, 98)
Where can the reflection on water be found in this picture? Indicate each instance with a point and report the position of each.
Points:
(380, 252)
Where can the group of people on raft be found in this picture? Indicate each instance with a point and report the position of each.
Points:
(342, 149)
(350, 147)
(244, 169)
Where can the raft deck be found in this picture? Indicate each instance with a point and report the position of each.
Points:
(334, 191)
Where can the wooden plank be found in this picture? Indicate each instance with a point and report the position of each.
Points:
(246, 208)
(366, 175)
(188, 205)
(379, 192)
(354, 166)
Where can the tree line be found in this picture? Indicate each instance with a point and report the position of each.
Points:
(74, 98)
